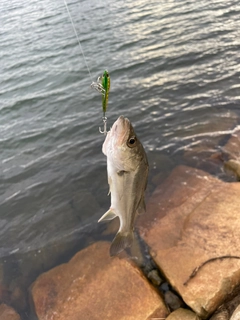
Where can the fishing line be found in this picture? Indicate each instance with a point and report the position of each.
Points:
(79, 43)
(103, 83)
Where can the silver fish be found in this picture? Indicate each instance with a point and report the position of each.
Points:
(127, 168)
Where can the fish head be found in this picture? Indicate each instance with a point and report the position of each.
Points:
(122, 146)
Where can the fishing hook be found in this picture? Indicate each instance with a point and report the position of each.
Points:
(104, 126)
(98, 86)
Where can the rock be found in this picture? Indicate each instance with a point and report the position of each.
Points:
(204, 157)
(154, 277)
(234, 166)
(221, 315)
(226, 309)
(192, 228)
(200, 151)
(93, 286)
(236, 314)
(160, 163)
(18, 298)
(4, 293)
(182, 314)
(8, 313)
(232, 148)
(172, 300)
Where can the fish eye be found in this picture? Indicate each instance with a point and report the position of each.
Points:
(131, 142)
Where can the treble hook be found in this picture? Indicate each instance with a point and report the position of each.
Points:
(104, 126)
(98, 86)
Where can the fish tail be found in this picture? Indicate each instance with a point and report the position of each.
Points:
(121, 241)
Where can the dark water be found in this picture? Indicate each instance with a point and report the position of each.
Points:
(175, 70)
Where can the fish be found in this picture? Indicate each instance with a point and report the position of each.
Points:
(127, 170)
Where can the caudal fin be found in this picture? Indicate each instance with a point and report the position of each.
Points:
(120, 242)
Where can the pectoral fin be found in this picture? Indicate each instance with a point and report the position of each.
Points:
(109, 182)
(142, 206)
(109, 215)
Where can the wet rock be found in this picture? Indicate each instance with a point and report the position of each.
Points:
(236, 314)
(18, 298)
(4, 293)
(93, 286)
(154, 277)
(232, 148)
(204, 157)
(234, 166)
(200, 153)
(221, 315)
(231, 152)
(29, 265)
(8, 313)
(182, 314)
(226, 309)
(161, 163)
(173, 301)
(192, 228)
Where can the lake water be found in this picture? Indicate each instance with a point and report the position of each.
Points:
(175, 70)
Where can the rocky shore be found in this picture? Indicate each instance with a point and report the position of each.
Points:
(191, 230)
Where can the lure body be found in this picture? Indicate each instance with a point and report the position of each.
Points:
(103, 86)
(106, 86)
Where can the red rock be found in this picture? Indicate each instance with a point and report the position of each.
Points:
(191, 218)
(8, 313)
(93, 286)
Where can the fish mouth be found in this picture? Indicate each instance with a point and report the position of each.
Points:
(121, 129)
(117, 137)
(121, 125)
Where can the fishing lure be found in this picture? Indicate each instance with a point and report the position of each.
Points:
(103, 86)
(106, 85)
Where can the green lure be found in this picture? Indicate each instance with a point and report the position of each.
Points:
(106, 86)
(103, 86)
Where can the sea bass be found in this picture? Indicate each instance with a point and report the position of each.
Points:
(127, 169)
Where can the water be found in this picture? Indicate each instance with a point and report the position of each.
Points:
(174, 70)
